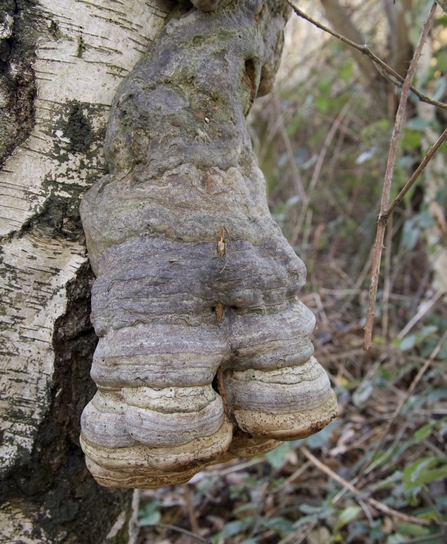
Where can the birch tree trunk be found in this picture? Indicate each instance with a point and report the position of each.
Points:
(60, 65)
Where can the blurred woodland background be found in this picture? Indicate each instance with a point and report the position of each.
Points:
(378, 474)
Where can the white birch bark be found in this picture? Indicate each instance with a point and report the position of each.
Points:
(83, 51)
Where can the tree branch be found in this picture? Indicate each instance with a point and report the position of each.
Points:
(181, 530)
(400, 118)
(384, 69)
(411, 181)
(358, 494)
(442, 4)
(341, 22)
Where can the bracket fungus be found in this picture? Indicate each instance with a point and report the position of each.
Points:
(204, 348)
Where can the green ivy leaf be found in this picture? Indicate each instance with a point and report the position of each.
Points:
(235, 527)
(278, 457)
(424, 432)
(397, 538)
(363, 392)
(346, 516)
(410, 234)
(149, 513)
(412, 529)
(422, 471)
(418, 124)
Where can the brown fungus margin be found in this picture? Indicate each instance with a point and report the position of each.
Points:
(204, 348)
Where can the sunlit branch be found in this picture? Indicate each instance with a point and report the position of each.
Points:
(442, 4)
(381, 226)
(382, 67)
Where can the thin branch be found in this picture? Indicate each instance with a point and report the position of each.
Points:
(181, 530)
(400, 118)
(359, 495)
(195, 527)
(341, 21)
(293, 476)
(214, 470)
(443, 5)
(302, 533)
(433, 149)
(422, 311)
(381, 66)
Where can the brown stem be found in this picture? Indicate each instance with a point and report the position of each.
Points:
(381, 227)
(443, 5)
(181, 530)
(195, 527)
(433, 149)
(362, 496)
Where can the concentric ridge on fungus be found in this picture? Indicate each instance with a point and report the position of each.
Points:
(204, 349)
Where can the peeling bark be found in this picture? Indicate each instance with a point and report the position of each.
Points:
(193, 275)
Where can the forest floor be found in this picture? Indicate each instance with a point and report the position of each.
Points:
(377, 474)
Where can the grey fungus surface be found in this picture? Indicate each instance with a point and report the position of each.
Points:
(204, 348)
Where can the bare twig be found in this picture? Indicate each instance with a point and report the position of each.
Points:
(195, 528)
(433, 149)
(443, 5)
(183, 531)
(428, 539)
(381, 227)
(381, 66)
(419, 375)
(362, 496)
(423, 310)
(293, 476)
(292, 538)
(214, 470)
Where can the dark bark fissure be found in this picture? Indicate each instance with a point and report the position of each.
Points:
(21, 20)
(249, 80)
(52, 485)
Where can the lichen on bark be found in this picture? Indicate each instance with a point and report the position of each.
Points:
(204, 349)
